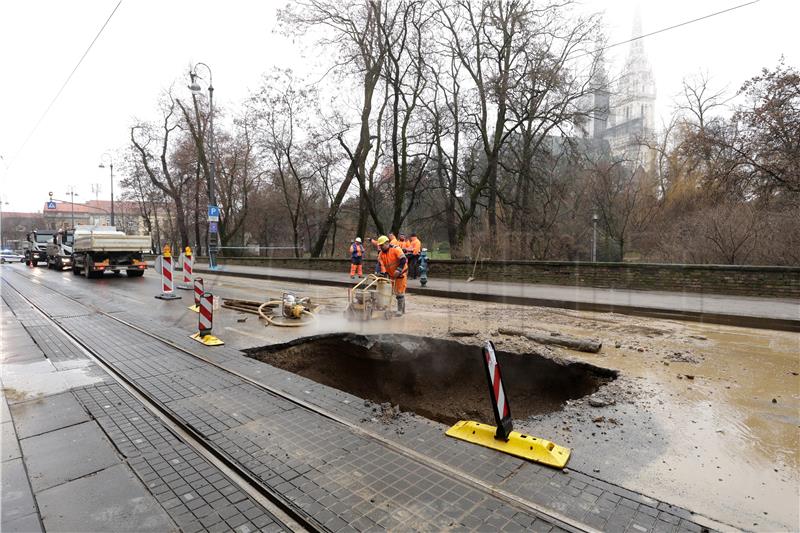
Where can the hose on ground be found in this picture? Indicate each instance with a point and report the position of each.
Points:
(271, 319)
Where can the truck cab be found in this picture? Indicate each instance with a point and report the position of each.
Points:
(35, 246)
(59, 251)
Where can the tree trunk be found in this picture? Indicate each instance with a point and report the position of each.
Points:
(363, 213)
(573, 343)
(356, 162)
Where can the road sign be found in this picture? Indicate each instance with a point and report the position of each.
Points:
(51, 204)
(212, 227)
(213, 214)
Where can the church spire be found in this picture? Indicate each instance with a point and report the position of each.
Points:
(637, 46)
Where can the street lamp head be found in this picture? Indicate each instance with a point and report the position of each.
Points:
(101, 165)
(595, 217)
(195, 88)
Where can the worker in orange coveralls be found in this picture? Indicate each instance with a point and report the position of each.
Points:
(415, 248)
(356, 256)
(395, 265)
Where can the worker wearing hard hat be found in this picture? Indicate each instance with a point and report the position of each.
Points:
(356, 257)
(395, 265)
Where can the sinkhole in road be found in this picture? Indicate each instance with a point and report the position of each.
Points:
(436, 378)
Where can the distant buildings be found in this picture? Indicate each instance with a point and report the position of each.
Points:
(127, 216)
(623, 109)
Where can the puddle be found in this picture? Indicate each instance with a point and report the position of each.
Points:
(438, 379)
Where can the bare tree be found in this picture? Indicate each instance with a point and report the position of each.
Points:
(623, 198)
(352, 28)
(155, 146)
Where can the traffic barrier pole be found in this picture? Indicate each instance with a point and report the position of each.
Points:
(206, 321)
(167, 275)
(188, 267)
(502, 411)
(198, 293)
(502, 437)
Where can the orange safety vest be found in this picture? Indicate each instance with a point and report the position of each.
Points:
(391, 259)
(416, 246)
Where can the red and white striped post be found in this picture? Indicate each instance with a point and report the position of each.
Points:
(206, 321)
(198, 293)
(497, 392)
(206, 314)
(188, 267)
(167, 285)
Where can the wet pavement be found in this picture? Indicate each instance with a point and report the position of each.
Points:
(380, 498)
(702, 422)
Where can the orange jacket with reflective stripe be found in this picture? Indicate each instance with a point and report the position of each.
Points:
(416, 246)
(393, 259)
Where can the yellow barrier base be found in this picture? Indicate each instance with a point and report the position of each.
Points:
(525, 446)
(195, 308)
(208, 340)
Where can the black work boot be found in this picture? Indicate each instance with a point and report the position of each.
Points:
(401, 305)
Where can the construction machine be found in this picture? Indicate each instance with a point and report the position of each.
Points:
(371, 295)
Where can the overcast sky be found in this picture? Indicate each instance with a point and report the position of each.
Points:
(149, 45)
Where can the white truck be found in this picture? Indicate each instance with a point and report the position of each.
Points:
(59, 251)
(35, 246)
(98, 249)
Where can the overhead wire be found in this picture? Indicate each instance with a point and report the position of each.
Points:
(63, 86)
(668, 28)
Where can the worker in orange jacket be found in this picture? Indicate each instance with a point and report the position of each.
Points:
(404, 244)
(395, 265)
(414, 249)
(392, 239)
(356, 257)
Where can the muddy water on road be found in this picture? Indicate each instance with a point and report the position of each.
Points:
(704, 433)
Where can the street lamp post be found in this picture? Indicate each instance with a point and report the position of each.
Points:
(196, 89)
(595, 218)
(2, 203)
(72, 195)
(111, 165)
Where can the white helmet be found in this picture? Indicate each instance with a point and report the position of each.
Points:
(358, 239)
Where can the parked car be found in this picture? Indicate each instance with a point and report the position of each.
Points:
(9, 256)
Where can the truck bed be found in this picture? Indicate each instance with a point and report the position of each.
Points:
(111, 242)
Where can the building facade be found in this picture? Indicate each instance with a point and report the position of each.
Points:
(127, 216)
(623, 109)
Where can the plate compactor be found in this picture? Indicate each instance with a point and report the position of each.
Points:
(371, 295)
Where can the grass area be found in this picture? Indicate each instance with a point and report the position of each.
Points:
(432, 254)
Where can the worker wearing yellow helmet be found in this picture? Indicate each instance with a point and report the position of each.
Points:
(394, 264)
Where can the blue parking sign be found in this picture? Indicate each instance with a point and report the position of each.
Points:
(213, 213)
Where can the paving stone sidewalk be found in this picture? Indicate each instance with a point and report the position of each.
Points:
(82, 457)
